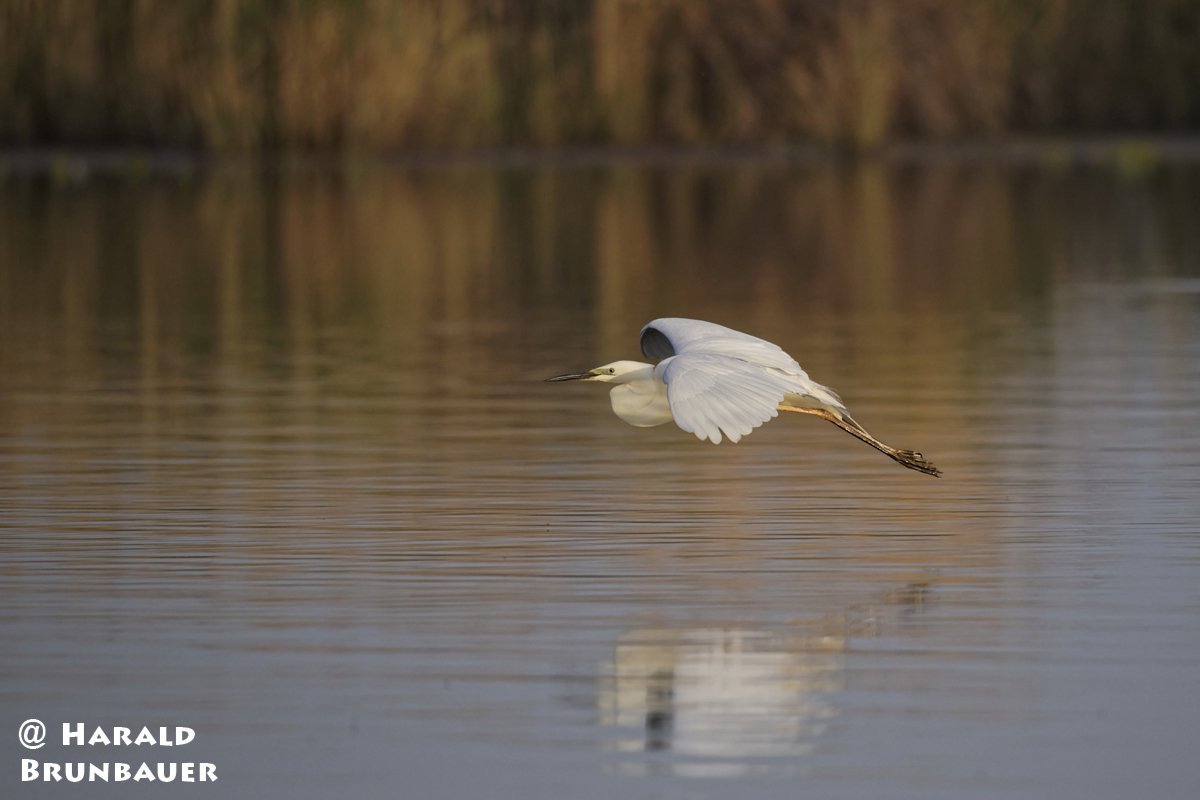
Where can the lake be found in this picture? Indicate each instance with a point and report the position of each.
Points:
(278, 464)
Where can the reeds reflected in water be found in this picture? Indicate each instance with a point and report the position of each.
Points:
(210, 262)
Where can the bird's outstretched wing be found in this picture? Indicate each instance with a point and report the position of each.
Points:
(719, 379)
(673, 336)
(710, 394)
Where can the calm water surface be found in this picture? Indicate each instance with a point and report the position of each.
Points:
(277, 464)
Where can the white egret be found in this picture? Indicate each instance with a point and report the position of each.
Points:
(712, 380)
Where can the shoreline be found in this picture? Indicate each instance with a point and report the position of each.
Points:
(1130, 153)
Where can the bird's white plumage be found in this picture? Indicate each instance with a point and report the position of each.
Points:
(710, 393)
(721, 380)
(714, 381)
(697, 336)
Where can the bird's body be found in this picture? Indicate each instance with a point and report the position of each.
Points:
(712, 380)
(640, 394)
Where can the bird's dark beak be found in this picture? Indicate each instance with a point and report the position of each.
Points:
(574, 376)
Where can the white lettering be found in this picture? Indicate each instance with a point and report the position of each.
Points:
(121, 736)
(162, 738)
(75, 771)
(179, 732)
(98, 737)
(69, 734)
(145, 737)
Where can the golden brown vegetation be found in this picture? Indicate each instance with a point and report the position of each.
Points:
(381, 74)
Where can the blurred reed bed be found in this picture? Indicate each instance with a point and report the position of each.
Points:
(383, 74)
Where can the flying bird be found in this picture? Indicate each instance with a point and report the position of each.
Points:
(712, 380)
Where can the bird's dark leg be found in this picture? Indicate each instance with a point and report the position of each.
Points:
(908, 458)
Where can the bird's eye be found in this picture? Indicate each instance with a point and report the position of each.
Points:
(612, 371)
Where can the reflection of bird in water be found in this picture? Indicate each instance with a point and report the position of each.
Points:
(724, 699)
(713, 380)
(721, 694)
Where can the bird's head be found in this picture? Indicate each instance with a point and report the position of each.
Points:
(609, 373)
